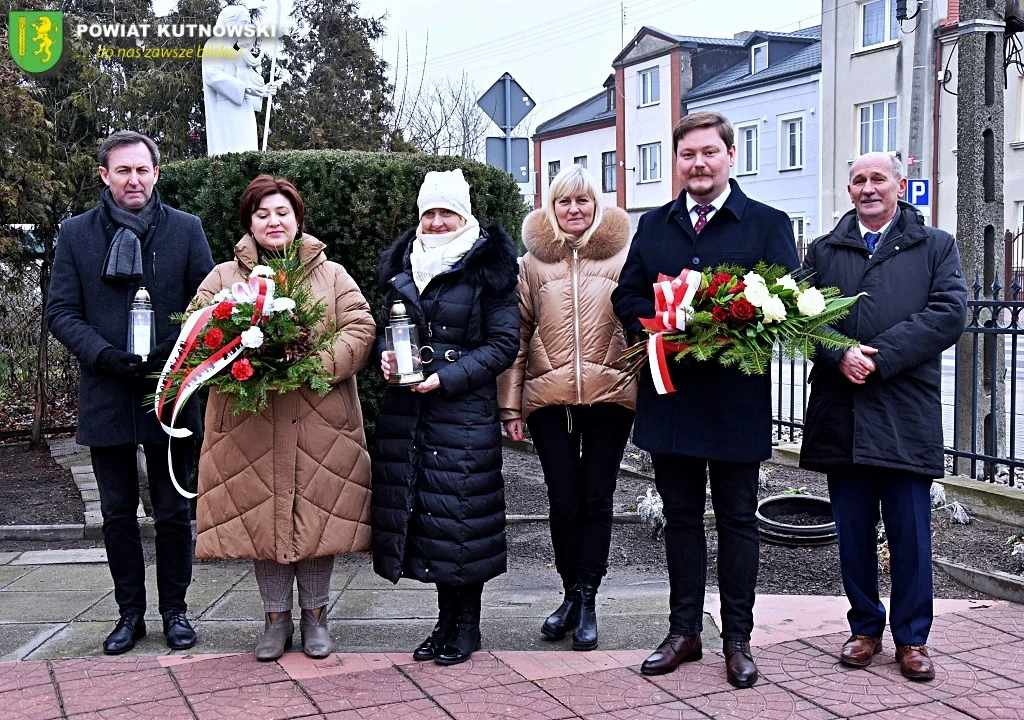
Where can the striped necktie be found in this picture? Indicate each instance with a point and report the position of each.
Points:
(871, 240)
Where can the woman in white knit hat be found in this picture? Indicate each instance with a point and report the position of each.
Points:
(438, 507)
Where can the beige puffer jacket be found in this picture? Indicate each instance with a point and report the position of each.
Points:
(294, 481)
(569, 335)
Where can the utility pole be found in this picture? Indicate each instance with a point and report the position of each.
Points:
(980, 410)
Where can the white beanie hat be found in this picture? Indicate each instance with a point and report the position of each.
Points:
(445, 190)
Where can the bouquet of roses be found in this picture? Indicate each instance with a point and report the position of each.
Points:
(736, 318)
(257, 337)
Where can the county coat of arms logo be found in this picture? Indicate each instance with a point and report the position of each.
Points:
(36, 39)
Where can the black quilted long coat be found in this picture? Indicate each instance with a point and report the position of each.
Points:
(438, 506)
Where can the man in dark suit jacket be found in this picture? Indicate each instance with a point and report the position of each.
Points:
(131, 240)
(874, 420)
(719, 420)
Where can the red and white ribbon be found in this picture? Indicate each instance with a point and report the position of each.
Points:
(260, 292)
(673, 302)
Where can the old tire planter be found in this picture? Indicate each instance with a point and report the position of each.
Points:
(781, 533)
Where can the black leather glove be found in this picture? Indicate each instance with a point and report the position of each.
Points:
(117, 362)
(154, 362)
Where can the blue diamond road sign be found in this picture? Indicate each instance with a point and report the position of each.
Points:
(492, 103)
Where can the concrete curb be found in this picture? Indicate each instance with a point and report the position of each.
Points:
(1003, 586)
(48, 533)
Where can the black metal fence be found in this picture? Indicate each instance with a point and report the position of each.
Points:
(985, 439)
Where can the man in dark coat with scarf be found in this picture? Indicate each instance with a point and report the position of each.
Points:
(719, 421)
(103, 257)
(874, 419)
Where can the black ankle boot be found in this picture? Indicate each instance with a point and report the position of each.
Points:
(563, 619)
(447, 619)
(584, 637)
(466, 639)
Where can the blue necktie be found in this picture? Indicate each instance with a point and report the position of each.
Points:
(871, 239)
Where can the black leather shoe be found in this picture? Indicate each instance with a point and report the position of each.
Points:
(444, 629)
(131, 626)
(466, 639)
(673, 651)
(584, 636)
(740, 669)
(178, 631)
(563, 619)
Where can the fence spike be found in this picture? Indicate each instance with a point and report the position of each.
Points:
(977, 287)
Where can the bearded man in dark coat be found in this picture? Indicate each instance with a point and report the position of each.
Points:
(874, 419)
(104, 256)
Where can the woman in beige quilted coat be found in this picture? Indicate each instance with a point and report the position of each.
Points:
(564, 384)
(290, 487)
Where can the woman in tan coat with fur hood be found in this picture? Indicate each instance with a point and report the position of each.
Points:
(289, 487)
(565, 386)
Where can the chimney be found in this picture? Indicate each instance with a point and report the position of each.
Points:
(743, 35)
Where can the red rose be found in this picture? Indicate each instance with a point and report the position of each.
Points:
(721, 278)
(719, 313)
(741, 310)
(737, 288)
(712, 289)
(241, 370)
(214, 338)
(223, 310)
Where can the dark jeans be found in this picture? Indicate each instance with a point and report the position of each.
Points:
(856, 494)
(117, 477)
(682, 483)
(580, 448)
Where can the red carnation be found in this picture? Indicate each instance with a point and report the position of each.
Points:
(741, 310)
(721, 278)
(242, 370)
(737, 288)
(719, 313)
(223, 310)
(214, 338)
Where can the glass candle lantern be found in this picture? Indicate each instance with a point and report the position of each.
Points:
(141, 325)
(402, 338)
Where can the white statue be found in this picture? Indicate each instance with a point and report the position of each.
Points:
(233, 87)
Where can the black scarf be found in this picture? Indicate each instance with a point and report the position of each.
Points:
(124, 257)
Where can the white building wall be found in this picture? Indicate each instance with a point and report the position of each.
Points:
(590, 143)
(644, 125)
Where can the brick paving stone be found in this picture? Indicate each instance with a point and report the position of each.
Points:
(605, 691)
(227, 672)
(357, 690)
(954, 633)
(668, 711)
(79, 668)
(1008, 617)
(702, 677)
(104, 689)
(793, 660)
(424, 709)
(556, 663)
(952, 678)
(275, 701)
(480, 671)
(1003, 660)
(522, 701)
(18, 675)
(36, 702)
(931, 711)
(169, 709)
(761, 702)
(1002, 705)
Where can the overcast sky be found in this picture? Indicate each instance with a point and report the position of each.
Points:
(560, 51)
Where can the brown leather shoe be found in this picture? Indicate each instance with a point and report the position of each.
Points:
(675, 649)
(914, 662)
(860, 650)
(740, 669)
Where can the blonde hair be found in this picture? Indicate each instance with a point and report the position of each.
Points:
(574, 180)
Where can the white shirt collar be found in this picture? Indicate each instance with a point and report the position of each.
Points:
(864, 230)
(717, 203)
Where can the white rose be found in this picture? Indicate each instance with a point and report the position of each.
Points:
(774, 309)
(756, 293)
(262, 271)
(752, 278)
(787, 282)
(811, 302)
(252, 338)
(221, 296)
(283, 304)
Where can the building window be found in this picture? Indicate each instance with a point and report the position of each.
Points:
(553, 169)
(878, 22)
(580, 160)
(747, 149)
(608, 165)
(877, 126)
(650, 162)
(649, 87)
(800, 234)
(792, 140)
(611, 99)
(758, 58)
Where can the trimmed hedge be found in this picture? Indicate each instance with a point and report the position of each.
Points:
(356, 202)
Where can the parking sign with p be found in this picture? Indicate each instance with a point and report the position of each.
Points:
(917, 193)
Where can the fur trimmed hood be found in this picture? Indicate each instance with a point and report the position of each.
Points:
(610, 237)
(491, 262)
